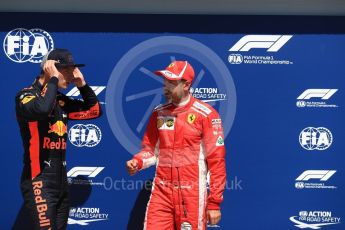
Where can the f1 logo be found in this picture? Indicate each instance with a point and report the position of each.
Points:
(324, 94)
(270, 42)
(323, 175)
(75, 91)
(84, 171)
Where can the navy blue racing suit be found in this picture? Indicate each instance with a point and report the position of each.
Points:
(42, 114)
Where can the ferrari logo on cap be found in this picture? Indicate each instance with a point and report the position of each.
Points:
(171, 64)
(191, 118)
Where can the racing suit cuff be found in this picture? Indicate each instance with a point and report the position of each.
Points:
(54, 80)
(140, 162)
(213, 206)
(84, 87)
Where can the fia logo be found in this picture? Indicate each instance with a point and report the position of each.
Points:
(235, 58)
(85, 135)
(22, 45)
(315, 138)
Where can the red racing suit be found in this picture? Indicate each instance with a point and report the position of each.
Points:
(185, 142)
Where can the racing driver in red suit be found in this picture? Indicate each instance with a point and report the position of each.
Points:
(185, 139)
(42, 114)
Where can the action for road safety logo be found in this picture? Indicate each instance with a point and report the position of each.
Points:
(208, 94)
(314, 219)
(84, 216)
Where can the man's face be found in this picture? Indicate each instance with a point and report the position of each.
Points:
(67, 76)
(175, 90)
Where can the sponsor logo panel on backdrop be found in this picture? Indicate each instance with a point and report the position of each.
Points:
(244, 51)
(27, 45)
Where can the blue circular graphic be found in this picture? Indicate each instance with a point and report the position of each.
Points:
(123, 70)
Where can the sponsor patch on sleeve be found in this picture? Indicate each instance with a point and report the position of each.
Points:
(26, 98)
(220, 141)
(216, 121)
(202, 107)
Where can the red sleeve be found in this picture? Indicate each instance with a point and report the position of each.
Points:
(148, 154)
(213, 139)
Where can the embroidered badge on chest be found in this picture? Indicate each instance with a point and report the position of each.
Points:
(61, 103)
(167, 122)
(191, 118)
